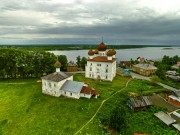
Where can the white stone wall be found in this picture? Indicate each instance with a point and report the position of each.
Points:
(105, 70)
(53, 88)
(70, 94)
(85, 95)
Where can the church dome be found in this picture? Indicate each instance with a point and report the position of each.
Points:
(114, 52)
(57, 64)
(102, 47)
(91, 52)
(110, 53)
(96, 51)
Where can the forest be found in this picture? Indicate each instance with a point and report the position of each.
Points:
(20, 63)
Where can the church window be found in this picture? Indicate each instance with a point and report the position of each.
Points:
(106, 70)
(49, 85)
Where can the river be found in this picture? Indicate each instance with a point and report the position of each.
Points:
(150, 53)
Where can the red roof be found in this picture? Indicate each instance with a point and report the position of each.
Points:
(101, 59)
(88, 90)
(102, 47)
(91, 52)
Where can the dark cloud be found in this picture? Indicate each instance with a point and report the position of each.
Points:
(44, 21)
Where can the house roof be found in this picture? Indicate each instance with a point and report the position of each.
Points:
(145, 66)
(165, 118)
(141, 101)
(88, 90)
(71, 64)
(57, 76)
(72, 86)
(177, 93)
(177, 126)
(101, 59)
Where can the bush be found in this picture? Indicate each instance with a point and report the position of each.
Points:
(155, 79)
(118, 119)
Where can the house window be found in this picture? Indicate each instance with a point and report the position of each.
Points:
(49, 85)
(97, 70)
(90, 68)
(65, 93)
(106, 70)
(107, 66)
(70, 94)
(91, 64)
(106, 77)
(54, 85)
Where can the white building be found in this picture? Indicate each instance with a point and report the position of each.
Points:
(101, 63)
(59, 83)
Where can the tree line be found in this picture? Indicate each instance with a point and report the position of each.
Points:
(18, 63)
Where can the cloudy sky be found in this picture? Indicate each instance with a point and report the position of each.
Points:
(86, 21)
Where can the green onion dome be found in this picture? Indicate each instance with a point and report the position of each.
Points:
(57, 64)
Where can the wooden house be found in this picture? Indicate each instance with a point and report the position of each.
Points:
(139, 103)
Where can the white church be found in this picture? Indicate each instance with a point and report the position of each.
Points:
(101, 63)
(60, 83)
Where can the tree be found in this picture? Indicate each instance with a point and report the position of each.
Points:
(78, 61)
(83, 62)
(155, 79)
(63, 60)
(118, 119)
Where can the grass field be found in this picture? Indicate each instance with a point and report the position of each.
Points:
(26, 111)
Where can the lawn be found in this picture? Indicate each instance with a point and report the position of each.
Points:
(26, 111)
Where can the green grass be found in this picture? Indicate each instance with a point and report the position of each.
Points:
(26, 111)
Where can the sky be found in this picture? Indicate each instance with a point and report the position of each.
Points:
(151, 22)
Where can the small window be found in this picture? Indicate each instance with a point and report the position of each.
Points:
(49, 85)
(71, 94)
(106, 70)
(106, 77)
(65, 93)
(91, 64)
(54, 85)
(107, 65)
(90, 68)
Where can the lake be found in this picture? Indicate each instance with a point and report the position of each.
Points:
(150, 53)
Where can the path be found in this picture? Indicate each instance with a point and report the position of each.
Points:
(101, 106)
(134, 75)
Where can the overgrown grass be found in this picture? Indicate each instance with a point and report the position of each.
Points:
(25, 110)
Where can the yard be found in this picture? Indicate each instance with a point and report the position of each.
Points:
(25, 110)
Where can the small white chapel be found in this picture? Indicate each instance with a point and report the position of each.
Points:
(60, 83)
